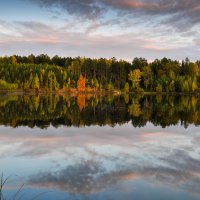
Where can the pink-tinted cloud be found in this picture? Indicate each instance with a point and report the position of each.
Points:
(157, 48)
(133, 4)
(92, 41)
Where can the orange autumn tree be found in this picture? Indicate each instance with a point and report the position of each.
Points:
(81, 101)
(81, 84)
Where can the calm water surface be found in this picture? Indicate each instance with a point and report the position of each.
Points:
(100, 147)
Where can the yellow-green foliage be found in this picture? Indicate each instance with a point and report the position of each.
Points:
(159, 88)
(42, 72)
(7, 86)
(135, 77)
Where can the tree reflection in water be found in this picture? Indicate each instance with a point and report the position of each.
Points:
(87, 110)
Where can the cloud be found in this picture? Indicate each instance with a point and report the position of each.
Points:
(32, 26)
(180, 14)
(83, 8)
(83, 178)
(87, 160)
(157, 48)
(91, 176)
(113, 36)
(26, 37)
(107, 28)
(74, 179)
(197, 41)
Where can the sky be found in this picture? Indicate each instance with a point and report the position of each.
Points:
(101, 28)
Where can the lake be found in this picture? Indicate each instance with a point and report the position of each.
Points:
(92, 147)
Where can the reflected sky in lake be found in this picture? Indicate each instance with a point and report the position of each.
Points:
(120, 162)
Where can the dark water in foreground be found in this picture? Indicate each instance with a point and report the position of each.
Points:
(100, 148)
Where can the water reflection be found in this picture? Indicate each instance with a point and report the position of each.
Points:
(109, 158)
(87, 110)
(97, 161)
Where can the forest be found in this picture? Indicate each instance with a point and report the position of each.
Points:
(86, 75)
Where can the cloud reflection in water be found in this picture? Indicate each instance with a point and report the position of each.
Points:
(93, 159)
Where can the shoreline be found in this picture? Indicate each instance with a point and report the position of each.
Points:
(76, 93)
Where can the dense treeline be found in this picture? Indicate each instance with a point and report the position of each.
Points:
(85, 109)
(86, 74)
